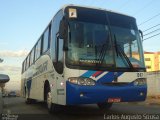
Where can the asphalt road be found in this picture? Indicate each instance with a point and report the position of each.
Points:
(16, 107)
(1, 102)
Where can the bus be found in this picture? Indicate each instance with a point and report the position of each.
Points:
(86, 56)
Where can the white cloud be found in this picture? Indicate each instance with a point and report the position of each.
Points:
(20, 53)
(9, 68)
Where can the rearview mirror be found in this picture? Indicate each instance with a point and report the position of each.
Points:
(4, 78)
(141, 33)
(63, 29)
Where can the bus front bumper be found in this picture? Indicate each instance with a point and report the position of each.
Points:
(76, 94)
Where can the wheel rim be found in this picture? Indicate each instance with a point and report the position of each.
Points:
(49, 100)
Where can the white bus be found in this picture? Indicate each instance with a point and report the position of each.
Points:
(86, 56)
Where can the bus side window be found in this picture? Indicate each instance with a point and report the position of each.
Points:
(59, 55)
(26, 63)
(45, 41)
(29, 61)
(32, 57)
(49, 38)
(53, 46)
(23, 67)
(38, 50)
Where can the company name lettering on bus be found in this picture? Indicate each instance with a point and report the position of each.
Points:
(91, 61)
(40, 69)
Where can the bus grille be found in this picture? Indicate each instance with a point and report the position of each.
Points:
(116, 84)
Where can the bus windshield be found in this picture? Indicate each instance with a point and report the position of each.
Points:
(127, 41)
(90, 44)
(105, 44)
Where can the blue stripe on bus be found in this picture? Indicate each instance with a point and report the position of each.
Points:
(109, 77)
(88, 73)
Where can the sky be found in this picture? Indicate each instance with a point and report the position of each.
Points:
(23, 21)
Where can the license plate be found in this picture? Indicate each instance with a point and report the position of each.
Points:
(111, 100)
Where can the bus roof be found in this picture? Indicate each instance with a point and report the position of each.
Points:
(70, 5)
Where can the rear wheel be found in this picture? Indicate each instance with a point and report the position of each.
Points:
(104, 106)
(27, 99)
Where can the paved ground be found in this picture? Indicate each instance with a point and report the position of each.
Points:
(153, 101)
(17, 107)
(1, 102)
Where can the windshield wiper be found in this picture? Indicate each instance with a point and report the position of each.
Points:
(122, 54)
(102, 54)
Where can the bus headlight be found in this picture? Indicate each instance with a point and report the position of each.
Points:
(81, 81)
(140, 81)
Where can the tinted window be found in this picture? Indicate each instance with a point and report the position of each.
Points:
(89, 45)
(32, 56)
(23, 65)
(27, 64)
(125, 21)
(89, 15)
(29, 58)
(38, 49)
(55, 29)
(46, 40)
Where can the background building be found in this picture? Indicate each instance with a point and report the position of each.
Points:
(152, 61)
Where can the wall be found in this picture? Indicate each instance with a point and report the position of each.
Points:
(153, 82)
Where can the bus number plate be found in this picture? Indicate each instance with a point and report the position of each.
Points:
(111, 100)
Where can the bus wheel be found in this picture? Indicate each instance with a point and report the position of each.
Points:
(104, 106)
(52, 108)
(49, 101)
(28, 100)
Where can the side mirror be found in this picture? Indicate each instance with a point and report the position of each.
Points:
(4, 78)
(63, 29)
(141, 33)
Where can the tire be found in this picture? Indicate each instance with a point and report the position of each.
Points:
(104, 106)
(28, 100)
(52, 108)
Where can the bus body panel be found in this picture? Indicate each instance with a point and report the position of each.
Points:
(43, 70)
(105, 87)
(102, 93)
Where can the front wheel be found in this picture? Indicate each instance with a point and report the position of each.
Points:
(49, 101)
(104, 106)
(52, 108)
